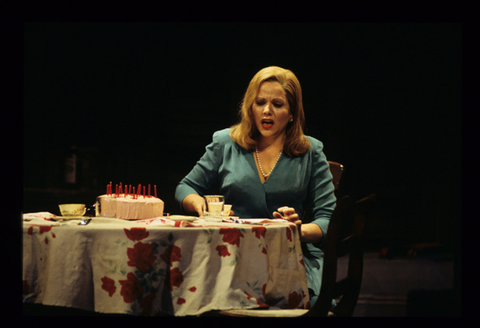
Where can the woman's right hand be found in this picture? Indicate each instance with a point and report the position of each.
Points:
(194, 203)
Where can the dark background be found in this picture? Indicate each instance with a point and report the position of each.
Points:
(140, 101)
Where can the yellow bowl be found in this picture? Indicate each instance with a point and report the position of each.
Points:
(72, 209)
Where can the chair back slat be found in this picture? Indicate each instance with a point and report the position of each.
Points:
(346, 245)
(341, 287)
(337, 170)
(343, 237)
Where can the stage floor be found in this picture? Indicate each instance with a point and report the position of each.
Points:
(401, 287)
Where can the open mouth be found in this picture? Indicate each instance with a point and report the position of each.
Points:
(267, 124)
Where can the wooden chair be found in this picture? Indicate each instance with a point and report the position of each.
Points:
(337, 170)
(346, 290)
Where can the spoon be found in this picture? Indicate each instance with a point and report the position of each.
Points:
(84, 222)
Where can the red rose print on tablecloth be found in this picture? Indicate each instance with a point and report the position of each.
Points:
(231, 236)
(146, 303)
(108, 285)
(193, 289)
(222, 250)
(259, 231)
(289, 233)
(136, 233)
(172, 254)
(141, 256)
(181, 301)
(259, 303)
(294, 300)
(41, 229)
(131, 288)
(176, 278)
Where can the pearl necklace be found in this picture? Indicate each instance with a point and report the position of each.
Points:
(260, 164)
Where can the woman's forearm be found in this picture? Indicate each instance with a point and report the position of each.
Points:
(311, 233)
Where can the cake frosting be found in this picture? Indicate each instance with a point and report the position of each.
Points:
(125, 206)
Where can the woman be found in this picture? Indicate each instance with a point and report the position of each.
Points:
(265, 166)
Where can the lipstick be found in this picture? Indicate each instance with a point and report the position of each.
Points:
(267, 124)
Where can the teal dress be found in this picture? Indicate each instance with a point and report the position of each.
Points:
(298, 182)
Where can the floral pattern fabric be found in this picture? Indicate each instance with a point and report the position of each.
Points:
(155, 266)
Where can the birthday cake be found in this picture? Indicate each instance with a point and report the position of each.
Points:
(128, 205)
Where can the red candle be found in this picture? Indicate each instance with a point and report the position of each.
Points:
(155, 187)
(116, 190)
(129, 189)
(148, 190)
(133, 195)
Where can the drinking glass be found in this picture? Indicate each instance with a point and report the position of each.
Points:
(106, 206)
(226, 210)
(214, 208)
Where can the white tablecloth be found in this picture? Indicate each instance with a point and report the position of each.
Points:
(160, 266)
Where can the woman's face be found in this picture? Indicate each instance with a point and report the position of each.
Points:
(271, 110)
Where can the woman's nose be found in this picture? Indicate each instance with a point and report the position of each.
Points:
(267, 108)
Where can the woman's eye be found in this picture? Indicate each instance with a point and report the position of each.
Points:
(260, 102)
(278, 105)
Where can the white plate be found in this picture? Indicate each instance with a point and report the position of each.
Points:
(181, 218)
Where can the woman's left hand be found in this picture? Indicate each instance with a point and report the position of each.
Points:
(288, 214)
(309, 232)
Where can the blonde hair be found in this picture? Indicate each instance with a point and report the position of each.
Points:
(246, 133)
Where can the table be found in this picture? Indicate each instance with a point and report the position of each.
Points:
(162, 267)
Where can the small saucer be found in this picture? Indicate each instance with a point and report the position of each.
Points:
(181, 218)
(63, 218)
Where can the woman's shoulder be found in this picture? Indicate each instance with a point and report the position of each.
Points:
(222, 134)
(222, 137)
(315, 144)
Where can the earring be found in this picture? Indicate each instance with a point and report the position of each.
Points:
(290, 120)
